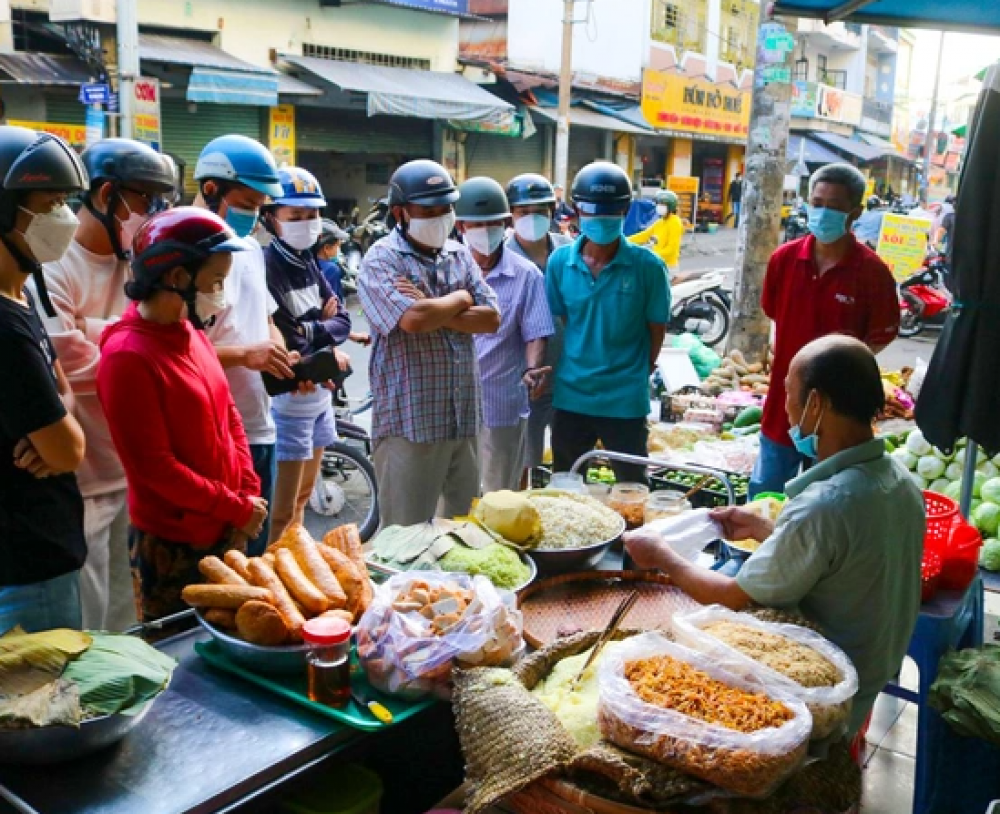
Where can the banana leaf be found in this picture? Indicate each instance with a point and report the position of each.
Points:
(967, 692)
(29, 661)
(55, 703)
(119, 674)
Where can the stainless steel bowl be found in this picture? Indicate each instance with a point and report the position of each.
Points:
(283, 660)
(57, 744)
(559, 560)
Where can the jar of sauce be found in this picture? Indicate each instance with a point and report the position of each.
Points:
(328, 661)
(666, 504)
(629, 500)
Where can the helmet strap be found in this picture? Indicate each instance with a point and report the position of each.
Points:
(107, 219)
(190, 297)
(34, 268)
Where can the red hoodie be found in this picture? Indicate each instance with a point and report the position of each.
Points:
(176, 428)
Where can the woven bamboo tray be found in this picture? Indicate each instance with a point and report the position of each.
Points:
(571, 603)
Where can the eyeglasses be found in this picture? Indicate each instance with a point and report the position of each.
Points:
(155, 201)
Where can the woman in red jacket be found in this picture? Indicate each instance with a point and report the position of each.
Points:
(192, 490)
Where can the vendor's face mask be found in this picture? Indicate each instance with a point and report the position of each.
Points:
(807, 445)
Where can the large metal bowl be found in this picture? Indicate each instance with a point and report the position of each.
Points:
(559, 560)
(284, 660)
(57, 744)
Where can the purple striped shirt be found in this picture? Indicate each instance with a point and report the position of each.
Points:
(425, 386)
(524, 317)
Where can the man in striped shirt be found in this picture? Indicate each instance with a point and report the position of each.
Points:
(424, 298)
(511, 361)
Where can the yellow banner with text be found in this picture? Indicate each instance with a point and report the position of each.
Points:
(696, 106)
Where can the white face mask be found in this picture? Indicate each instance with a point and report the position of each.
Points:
(661, 210)
(485, 239)
(49, 234)
(301, 234)
(208, 305)
(432, 232)
(129, 227)
(532, 228)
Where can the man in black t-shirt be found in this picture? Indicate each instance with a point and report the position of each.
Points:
(41, 511)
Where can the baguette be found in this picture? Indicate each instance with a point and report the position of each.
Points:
(347, 575)
(263, 575)
(215, 570)
(224, 596)
(316, 568)
(354, 549)
(219, 617)
(340, 613)
(237, 560)
(260, 623)
(298, 584)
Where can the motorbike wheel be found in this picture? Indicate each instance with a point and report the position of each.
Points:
(718, 327)
(910, 323)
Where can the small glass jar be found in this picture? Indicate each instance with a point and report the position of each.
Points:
(328, 661)
(568, 482)
(629, 500)
(666, 504)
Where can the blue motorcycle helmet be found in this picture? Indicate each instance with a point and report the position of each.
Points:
(299, 188)
(240, 159)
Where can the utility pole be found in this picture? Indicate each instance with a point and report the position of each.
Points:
(565, 95)
(128, 63)
(929, 140)
(763, 182)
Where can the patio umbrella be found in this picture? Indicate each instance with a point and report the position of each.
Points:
(961, 392)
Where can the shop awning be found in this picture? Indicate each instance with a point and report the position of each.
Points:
(43, 69)
(410, 92)
(886, 146)
(862, 150)
(630, 114)
(580, 116)
(290, 86)
(815, 153)
(216, 76)
(973, 16)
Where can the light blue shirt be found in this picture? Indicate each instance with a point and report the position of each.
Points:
(605, 365)
(846, 551)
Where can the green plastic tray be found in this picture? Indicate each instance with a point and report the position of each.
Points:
(294, 688)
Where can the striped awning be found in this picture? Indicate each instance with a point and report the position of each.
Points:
(232, 87)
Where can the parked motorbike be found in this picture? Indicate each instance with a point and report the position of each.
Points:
(701, 306)
(924, 300)
(375, 225)
(796, 224)
(351, 262)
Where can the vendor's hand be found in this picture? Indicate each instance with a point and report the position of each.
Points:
(332, 308)
(26, 457)
(361, 339)
(343, 360)
(305, 388)
(409, 290)
(646, 548)
(741, 524)
(537, 381)
(257, 518)
(269, 357)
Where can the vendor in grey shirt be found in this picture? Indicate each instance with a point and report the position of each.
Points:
(846, 550)
(532, 202)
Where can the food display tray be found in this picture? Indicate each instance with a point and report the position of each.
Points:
(586, 601)
(294, 688)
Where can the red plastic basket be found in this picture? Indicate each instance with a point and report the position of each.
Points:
(942, 513)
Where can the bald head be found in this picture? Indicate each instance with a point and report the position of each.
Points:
(843, 372)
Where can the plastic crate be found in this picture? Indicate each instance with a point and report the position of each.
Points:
(705, 499)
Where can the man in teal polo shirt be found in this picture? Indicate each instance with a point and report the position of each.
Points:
(614, 300)
(846, 550)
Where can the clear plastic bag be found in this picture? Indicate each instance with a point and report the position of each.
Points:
(748, 764)
(830, 706)
(408, 647)
(687, 533)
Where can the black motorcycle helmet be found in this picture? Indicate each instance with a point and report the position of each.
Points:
(602, 188)
(530, 189)
(422, 182)
(123, 162)
(874, 202)
(33, 162)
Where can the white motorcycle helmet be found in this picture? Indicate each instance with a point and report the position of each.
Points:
(327, 498)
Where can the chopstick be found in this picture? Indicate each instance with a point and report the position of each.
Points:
(698, 486)
(616, 621)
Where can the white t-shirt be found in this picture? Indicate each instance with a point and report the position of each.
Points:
(245, 321)
(91, 288)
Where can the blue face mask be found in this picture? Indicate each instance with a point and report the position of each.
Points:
(242, 221)
(827, 225)
(807, 445)
(601, 229)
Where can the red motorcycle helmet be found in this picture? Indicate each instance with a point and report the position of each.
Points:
(184, 236)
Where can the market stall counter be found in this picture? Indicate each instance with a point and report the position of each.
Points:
(213, 743)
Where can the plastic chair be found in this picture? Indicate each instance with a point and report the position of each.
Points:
(952, 620)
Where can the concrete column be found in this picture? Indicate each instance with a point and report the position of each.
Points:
(713, 37)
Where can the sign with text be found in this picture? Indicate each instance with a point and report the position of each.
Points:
(94, 125)
(686, 189)
(281, 135)
(902, 243)
(95, 94)
(696, 106)
(75, 134)
(813, 101)
(146, 112)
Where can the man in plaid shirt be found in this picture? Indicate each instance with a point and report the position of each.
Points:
(425, 298)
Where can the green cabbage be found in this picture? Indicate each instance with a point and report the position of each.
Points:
(989, 557)
(978, 481)
(917, 444)
(930, 467)
(906, 458)
(991, 491)
(954, 490)
(953, 472)
(940, 486)
(986, 518)
(988, 469)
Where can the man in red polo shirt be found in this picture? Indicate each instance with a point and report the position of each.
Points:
(824, 283)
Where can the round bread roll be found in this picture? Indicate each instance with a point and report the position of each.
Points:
(260, 623)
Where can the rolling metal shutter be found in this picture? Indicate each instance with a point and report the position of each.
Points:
(64, 110)
(186, 133)
(502, 158)
(327, 130)
(586, 144)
